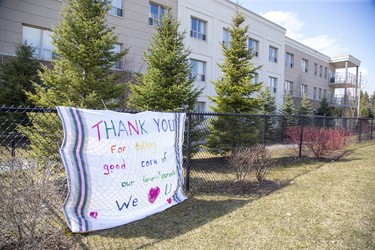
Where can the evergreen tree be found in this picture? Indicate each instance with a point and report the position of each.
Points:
(325, 110)
(287, 112)
(236, 85)
(267, 105)
(235, 89)
(80, 76)
(17, 75)
(16, 78)
(305, 109)
(372, 105)
(167, 85)
(364, 107)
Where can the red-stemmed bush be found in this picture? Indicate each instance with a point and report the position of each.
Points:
(319, 141)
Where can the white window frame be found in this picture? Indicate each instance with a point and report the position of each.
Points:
(117, 8)
(254, 45)
(273, 54)
(320, 93)
(41, 43)
(315, 69)
(314, 93)
(320, 70)
(198, 33)
(154, 20)
(304, 89)
(117, 48)
(272, 84)
(200, 66)
(289, 60)
(288, 87)
(226, 37)
(304, 65)
(325, 72)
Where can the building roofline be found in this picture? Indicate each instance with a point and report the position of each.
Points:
(254, 15)
(351, 60)
(304, 48)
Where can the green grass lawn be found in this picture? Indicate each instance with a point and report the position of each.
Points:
(316, 205)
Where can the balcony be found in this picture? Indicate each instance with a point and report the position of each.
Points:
(339, 101)
(340, 81)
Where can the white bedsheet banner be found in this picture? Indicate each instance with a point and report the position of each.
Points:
(121, 167)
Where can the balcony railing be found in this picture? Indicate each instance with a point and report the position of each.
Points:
(340, 78)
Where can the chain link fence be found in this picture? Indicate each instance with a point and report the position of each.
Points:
(33, 184)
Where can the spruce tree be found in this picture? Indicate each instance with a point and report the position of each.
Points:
(305, 106)
(17, 75)
(305, 109)
(167, 85)
(236, 86)
(81, 74)
(16, 78)
(235, 91)
(325, 110)
(267, 106)
(287, 112)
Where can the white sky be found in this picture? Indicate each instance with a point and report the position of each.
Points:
(333, 27)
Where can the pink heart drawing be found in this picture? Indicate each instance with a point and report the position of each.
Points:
(169, 200)
(94, 214)
(153, 194)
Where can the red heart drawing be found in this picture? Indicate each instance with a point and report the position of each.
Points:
(169, 200)
(94, 214)
(153, 194)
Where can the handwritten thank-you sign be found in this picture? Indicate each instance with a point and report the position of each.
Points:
(121, 167)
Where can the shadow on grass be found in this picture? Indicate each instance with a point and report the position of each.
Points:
(180, 219)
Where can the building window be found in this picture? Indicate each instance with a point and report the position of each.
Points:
(198, 29)
(198, 70)
(40, 40)
(253, 45)
(226, 38)
(325, 93)
(288, 88)
(273, 54)
(289, 60)
(117, 49)
(303, 89)
(320, 94)
(272, 81)
(155, 14)
(320, 70)
(116, 8)
(314, 93)
(256, 78)
(199, 107)
(315, 69)
(325, 72)
(304, 65)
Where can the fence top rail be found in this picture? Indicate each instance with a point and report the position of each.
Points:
(27, 109)
(53, 110)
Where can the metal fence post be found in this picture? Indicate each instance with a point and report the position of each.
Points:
(264, 130)
(324, 120)
(188, 141)
(372, 125)
(359, 130)
(301, 137)
(13, 145)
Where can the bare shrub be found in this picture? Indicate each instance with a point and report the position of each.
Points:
(30, 203)
(320, 141)
(263, 163)
(255, 159)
